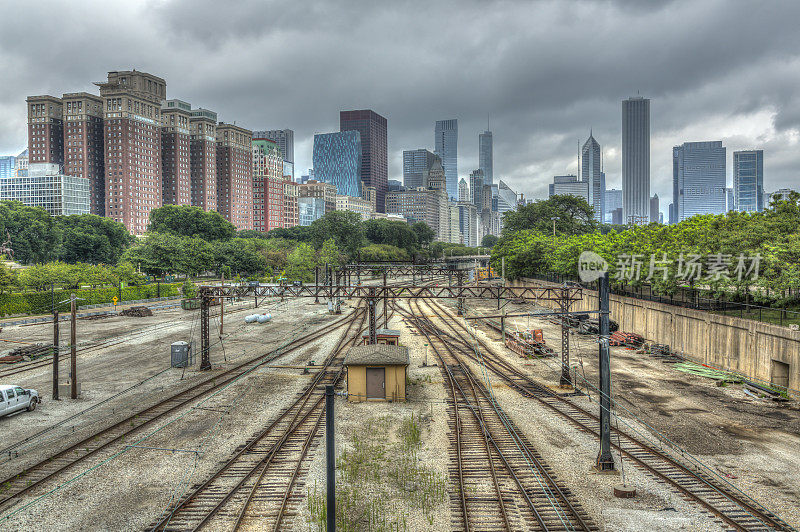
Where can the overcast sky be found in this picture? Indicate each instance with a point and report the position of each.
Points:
(546, 72)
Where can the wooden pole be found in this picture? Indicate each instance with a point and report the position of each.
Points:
(73, 357)
(55, 355)
(330, 461)
(222, 307)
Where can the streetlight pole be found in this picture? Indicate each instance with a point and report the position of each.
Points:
(554, 218)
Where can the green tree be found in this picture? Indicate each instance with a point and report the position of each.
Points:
(126, 272)
(8, 277)
(330, 254)
(92, 239)
(301, 263)
(35, 237)
(488, 241)
(345, 227)
(243, 256)
(573, 216)
(298, 233)
(157, 254)
(392, 232)
(382, 252)
(183, 220)
(424, 234)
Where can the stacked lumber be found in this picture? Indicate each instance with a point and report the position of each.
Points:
(625, 339)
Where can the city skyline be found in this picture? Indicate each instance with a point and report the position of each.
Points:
(745, 108)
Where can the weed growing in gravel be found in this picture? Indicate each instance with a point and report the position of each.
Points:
(379, 479)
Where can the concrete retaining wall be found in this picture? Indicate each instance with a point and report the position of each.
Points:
(749, 347)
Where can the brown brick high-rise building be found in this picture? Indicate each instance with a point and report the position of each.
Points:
(235, 175)
(374, 149)
(203, 146)
(84, 155)
(132, 126)
(176, 186)
(45, 129)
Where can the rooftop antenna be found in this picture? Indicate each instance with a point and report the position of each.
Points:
(487, 122)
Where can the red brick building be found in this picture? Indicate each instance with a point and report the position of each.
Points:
(176, 186)
(203, 158)
(84, 155)
(235, 175)
(45, 130)
(132, 127)
(268, 185)
(291, 214)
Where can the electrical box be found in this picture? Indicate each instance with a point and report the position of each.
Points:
(181, 355)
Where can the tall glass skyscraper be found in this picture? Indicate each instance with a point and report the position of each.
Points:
(446, 144)
(485, 156)
(698, 179)
(591, 172)
(7, 164)
(416, 165)
(748, 180)
(635, 160)
(337, 160)
(374, 149)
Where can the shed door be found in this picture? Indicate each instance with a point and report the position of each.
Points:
(376, 378)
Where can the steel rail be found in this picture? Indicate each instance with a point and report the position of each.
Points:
(536, 390)
(87, 447)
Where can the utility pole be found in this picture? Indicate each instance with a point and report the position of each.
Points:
(330, 461)
(205, 301)
(373, 333)
(385, 304)
(503, 325)
(460, 281)
(316, 284)
(566, 380)
(73, 357)
(55, 354)
(222, 308)
(605, 460)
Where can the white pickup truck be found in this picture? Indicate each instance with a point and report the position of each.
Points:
(16, 398)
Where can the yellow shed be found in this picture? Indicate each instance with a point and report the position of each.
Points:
(376, 373)
(383, 336)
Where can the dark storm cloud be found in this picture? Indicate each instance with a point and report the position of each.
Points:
(547, 72)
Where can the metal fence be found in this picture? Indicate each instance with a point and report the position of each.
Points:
(133, 302)
(693, 298)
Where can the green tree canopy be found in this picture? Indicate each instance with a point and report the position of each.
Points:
(93, 239)
(424, 234)
(345, 227)
(391, 232)
(574, 216)
(183, 220)
(488, 241)
(35, 236)
(383, 252)
(330, 254)
(301, 263)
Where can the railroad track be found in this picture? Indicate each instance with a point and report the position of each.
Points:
(724, 502)
(260, 485)
(47, 360)
(500, 480)
(114, 435)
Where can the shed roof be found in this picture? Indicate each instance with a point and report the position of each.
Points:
(383, 332)
(390, 355)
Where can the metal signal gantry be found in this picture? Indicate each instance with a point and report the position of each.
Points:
(372, 294)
